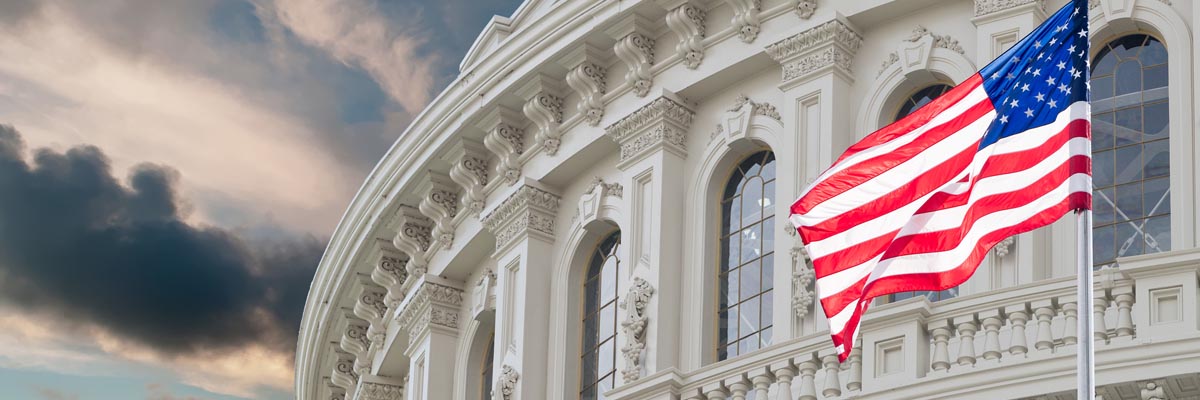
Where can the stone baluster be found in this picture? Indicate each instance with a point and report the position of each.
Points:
(941, 331)
(718, 393)
(833, 386)
(1070, 312)
(1044, 311)
(808, 384)
(739, 388)
(1017, 317)
(1099, 305)
(761, 382)
(1124, 298)
(967, 326)
(854, 383)
(992, 319)
(783, 379)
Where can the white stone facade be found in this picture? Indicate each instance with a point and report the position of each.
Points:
(574, 119)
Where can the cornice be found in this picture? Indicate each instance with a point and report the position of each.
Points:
(984, 7)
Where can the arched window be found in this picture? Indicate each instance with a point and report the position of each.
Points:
(599, 351)
(921, 98)
(485, 369)
(747, 248)
(1131, 192)
(918, 99)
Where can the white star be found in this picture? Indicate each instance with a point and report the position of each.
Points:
(1037, 45)
(1053, 104)
(1076, 74)
(1027, 70)
(1029, 113)
(1015, 59)
(1073, 70)
(1041, 97)
(1013, 103)
(1050, 81)
(1064, 87)
(1053, 41)
(996, 75)
(1004, 119)
(1040, 56)
(1068, 91)
(1083, 33)
(1071, 49)
(1025, 88)
(1076, 12)
(1010, 75)
(1062, 65)
(1037, 72)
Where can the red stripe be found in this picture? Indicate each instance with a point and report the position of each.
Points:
(868, 169)
(935, 241)
(925, 183)
(1008, 163)
(916, 119)
(853, 255)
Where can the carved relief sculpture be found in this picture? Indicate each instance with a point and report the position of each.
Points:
(634, 326)
(687, 21)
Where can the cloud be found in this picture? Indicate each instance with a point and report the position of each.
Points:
(76, 242)
(53, 394)
(355, 32)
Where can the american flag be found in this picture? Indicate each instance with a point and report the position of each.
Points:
(916, 205)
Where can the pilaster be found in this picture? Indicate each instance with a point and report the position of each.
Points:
(652, 161)
(523, 225)
(431, 314)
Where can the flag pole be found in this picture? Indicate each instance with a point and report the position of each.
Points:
(1086, 350)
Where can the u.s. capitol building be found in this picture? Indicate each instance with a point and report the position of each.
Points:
(597, 208)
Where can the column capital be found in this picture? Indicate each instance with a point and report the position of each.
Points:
(830, 46)
(528, 210)
(433, 304)
(372, 387)
(662, 123)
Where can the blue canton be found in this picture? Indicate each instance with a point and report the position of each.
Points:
(1035, 80)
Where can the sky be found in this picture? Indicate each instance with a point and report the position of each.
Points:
(170, 173)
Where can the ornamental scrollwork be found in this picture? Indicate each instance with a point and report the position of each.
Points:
(635, 303)
(804, 8)
(1002, 249)
(611, 189)
(687, 21)
(764, 109)
(637, 52)
(379, 391)
(508, 143)
(590, 81)
(802, 282)
(545, 110)
(506, 383)
(746, 19)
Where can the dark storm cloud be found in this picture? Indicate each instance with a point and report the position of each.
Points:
(77, 243)
(15, 11)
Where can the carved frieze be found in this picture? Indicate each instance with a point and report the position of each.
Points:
(939, 41)
(764, 109)
(831, 44)
(390, 273)
(687, 21)
(528, 210)
(663, 122)
(432, 306)
(544, 106)
(984, 7)
(634, 326)
(370, 306)
(1002, 249)
(379, 391)
(354, 336)
(485, 293)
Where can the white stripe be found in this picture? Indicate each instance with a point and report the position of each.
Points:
(977, 95)
(838, 321)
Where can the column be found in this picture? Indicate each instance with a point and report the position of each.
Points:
(816, 83)
(523, 225)
(431, 314)
(653, 151)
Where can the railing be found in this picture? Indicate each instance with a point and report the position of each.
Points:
(975, 346)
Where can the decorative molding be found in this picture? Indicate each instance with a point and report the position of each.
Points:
(802, 282)
(431, 306)
(390, 273)
(379, 391)
(636, 50)
(764, 109)
(831, 44)
(370, 305)
(544, 106)
(606, 189)
(635, 303)
(687, 21)
(984, 7)
(470, 171)
(354, 338)
(528, 210)
(440, 205)
(589, 79)
(1002, 248)
(663, 122)
(804, 8)
(506, 139)
(343, 375)
(414, 238)
(745, 18)
(939, 41)
(485, 293)
(1152, 390)
(892, 58)
(506, 383)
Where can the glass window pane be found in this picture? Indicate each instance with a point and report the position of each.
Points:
(1158, 159)
(608, 321)
(765, 337)
(750, 279)
(768, 171)
(748, 344)
(588, 370)
(604, 357)
(751, 246)
(1156, 121)
(1103, 134)
(1153, 53)
(591, 332)
(1129, 201)
(1102, 88)
(1102, 209)
(749, 313)
(1129, 241)
(768, 272)
(734, 218)
(1103, 244)
(1102, 168)
(731, 325)
(768, 307)
(1129, 164)
(1158, 234)
(1157, 199)
(1155, 77)
(1128, 126)
(1105, 63)
(752, 201)
(768, 235)
(605, 385)
(731, 286)
(1129, 77)
(608, 281)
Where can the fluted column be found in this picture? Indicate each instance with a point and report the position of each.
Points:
(430, 315)
(524, 227)
(653, 155)
(687, 22)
